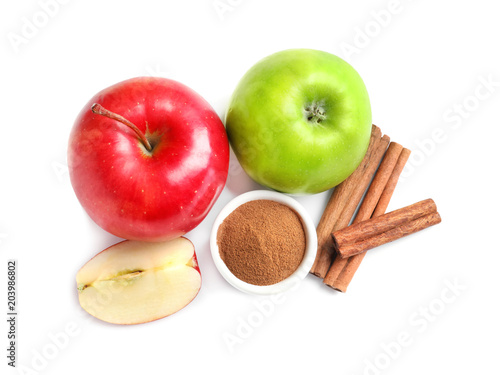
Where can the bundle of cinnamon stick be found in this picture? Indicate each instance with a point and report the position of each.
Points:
(341, 250)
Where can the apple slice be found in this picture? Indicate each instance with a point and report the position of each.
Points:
(136, 282)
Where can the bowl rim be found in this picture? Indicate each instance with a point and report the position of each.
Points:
(311, 243)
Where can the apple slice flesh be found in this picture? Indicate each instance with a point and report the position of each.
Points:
(136, 282)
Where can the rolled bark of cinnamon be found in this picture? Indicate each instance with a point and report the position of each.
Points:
(346, 193)
(373, 227)
(352, 264)
(334, 276)
(342, 270)
(390, 186)
(377, 186)
(403, 230)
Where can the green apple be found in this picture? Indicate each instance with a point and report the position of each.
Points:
(299, 121)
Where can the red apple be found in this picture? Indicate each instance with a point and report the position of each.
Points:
(148, 158)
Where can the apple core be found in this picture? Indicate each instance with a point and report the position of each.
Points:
(315, 113)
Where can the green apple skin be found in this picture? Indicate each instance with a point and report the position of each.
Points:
(299, 121)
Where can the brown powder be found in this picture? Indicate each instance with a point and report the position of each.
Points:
(262, 242)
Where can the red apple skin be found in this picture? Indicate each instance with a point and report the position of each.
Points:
(140, 195)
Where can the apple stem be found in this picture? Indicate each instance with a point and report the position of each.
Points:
(100, 110)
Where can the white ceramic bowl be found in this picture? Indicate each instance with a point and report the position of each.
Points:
(311, 243)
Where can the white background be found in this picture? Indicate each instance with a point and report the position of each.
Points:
(424, 67)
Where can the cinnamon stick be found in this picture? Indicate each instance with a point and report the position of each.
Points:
(403, 230)
(326, 224)
(342, 270)
(336, 204)
(375, 226)
(358, 190)
(354, 262)
(379, 182)
(386, 195)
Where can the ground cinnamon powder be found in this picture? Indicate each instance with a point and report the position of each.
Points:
(262, 242)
